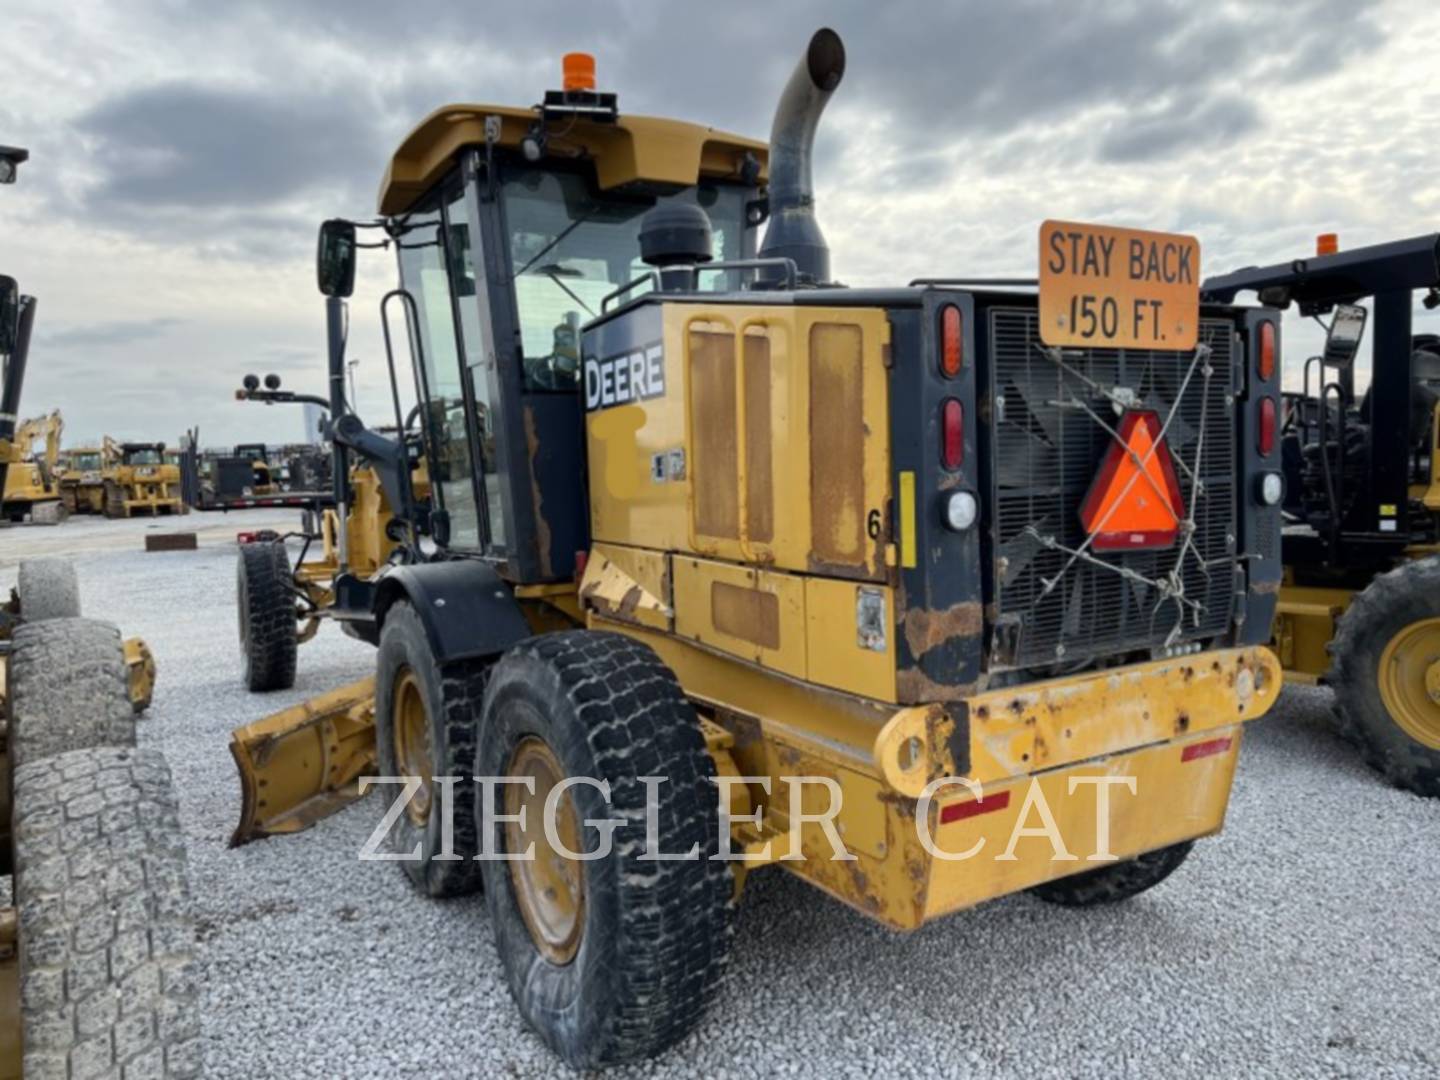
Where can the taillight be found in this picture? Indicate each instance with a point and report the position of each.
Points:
(1266, 439)
(952, 348)
(1265, 360)
(952, 434)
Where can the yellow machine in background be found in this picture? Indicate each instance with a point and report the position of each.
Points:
(138, 480)
(82, 479)
(32, 482)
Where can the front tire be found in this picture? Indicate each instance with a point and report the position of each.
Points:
(624, 966)
(107, 937)
(425, 723)
(69, 689)
(269, 637)
(1115, 882)
(1386, 675)
(48, 589)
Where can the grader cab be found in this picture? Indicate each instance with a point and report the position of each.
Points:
(727, 565)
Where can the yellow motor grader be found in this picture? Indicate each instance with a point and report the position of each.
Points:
(1359, 608)
(927, 594)
(32, 481)
(96, 937)
(137, 479)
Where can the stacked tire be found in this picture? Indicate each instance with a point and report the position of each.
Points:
(106, 934)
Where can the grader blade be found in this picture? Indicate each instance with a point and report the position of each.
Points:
(301, 764)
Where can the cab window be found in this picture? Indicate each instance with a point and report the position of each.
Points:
(570, 247)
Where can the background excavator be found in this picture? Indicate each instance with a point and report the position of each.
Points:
(32, 480)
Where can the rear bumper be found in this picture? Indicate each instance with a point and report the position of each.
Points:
(1035, 783)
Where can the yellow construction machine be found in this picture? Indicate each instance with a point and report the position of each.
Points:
(137, 479)
(32, 481)
(82, 479)
(90, 835)
(1360, 603)
(927, 594)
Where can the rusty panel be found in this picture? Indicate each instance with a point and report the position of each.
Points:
(713, 430)
(744, 628)
(746, 613)
(837, 443)
(759, 456)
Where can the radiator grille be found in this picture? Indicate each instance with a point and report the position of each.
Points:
(1045, 455)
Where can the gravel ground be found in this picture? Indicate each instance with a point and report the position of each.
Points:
(1302, 942)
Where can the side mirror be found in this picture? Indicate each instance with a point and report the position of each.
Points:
(335, 258)
(1347, 328)
(9, 314)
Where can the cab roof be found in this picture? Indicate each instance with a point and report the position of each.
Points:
(632, 149)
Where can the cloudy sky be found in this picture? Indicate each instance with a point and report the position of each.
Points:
(182, 153)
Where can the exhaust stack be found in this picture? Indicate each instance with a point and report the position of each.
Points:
(793, 232)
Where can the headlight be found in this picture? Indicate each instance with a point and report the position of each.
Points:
(961, 510)
(1272, 488)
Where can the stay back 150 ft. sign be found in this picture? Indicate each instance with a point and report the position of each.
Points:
(1118, 288)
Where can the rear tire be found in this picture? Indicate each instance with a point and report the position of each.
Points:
(1385, 642)
(69, 689)
(269, 637)
(1116, 882)
(48, 589)
(438, 741)
(653, 936)
(107, 938)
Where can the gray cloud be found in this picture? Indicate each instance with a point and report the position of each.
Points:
(184, 144)
(1189, 124)
(104, 334)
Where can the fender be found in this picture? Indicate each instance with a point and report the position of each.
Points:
(468, 610)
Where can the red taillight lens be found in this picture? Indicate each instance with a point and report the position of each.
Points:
(1265, 358)
(1266, 438)
(952, 434)
(952, 348)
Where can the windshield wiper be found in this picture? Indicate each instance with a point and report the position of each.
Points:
(555, 278)
(562, 235)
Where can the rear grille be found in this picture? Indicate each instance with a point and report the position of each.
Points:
(1044, 458)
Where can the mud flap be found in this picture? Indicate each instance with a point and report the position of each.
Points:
(301, 764)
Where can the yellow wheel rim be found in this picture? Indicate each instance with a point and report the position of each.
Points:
(549, 888)
(412, 741)
(1410, 681)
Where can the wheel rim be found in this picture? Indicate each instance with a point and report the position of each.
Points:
(550, 888)
(1410, 681)
(412, 741)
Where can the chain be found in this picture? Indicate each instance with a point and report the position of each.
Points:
(1170, 588)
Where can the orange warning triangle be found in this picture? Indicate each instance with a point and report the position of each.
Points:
(1134, 502)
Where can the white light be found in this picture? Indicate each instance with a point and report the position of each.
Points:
(1271, 488)
(961, 510)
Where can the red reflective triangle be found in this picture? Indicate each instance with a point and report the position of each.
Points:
(1134, 502)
